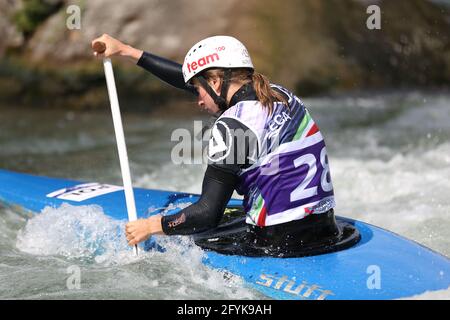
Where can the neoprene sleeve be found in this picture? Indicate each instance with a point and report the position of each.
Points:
(167, 70)
(206, 213)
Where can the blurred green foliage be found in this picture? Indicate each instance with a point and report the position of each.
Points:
(33, 13)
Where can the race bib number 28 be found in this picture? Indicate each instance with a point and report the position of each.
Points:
(301, 191)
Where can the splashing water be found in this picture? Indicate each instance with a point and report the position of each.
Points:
(93, 242)
(73, 232)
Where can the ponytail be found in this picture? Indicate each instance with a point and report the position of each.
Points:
(265, 93)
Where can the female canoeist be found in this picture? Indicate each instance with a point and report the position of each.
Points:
(264, 144)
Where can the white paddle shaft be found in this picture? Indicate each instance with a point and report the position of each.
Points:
(120, 138)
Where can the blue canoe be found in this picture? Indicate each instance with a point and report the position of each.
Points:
(382, 265)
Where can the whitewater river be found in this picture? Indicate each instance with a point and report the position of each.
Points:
(390, 165)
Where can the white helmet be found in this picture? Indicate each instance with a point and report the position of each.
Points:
(215, 52)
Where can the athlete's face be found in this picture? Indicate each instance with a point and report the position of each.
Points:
(205, 102)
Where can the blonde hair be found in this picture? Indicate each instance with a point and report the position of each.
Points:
(265, 93)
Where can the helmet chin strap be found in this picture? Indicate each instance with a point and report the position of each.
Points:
(221, 100)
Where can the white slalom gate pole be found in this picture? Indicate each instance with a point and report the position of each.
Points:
(120, 138)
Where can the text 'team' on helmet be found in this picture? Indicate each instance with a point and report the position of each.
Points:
(215, 52)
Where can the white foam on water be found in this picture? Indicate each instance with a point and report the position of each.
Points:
(189, 271)
(10, 222)
(85, 235)
(73, 232)
(407, 194)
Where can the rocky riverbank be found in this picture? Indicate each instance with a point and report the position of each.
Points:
(311, 46)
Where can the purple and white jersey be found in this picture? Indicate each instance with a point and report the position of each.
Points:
(289, 177)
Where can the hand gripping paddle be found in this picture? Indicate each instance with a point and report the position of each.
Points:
(100, 47)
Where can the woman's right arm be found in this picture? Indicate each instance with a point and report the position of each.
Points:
(206, 213)
(167, 70)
